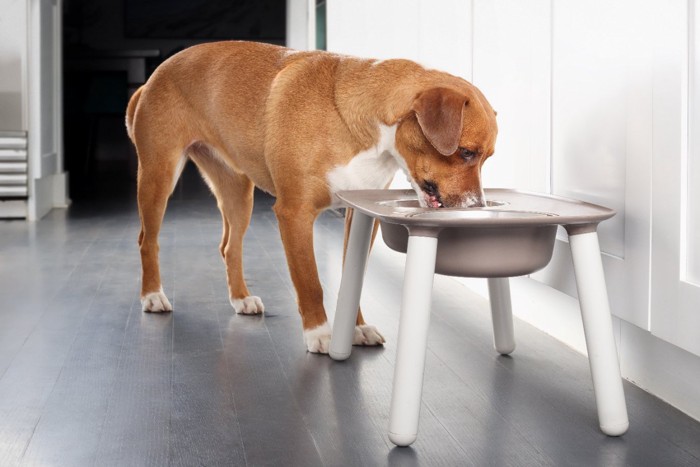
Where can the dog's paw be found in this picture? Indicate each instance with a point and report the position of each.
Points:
(367, 335)
(318, 339)
(155, 302)
(250, 305)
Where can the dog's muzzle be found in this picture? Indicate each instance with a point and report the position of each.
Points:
(431, 195)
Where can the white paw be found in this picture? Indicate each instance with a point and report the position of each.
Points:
(367, 335)
(250, 305)
(155, 302)
(318, 339)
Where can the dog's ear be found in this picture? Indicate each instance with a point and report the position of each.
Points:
(440, 112)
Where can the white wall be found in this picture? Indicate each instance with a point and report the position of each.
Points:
(301, 24)
(593, 103)
(414, 29)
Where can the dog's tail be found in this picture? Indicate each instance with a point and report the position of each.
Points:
(130, 111)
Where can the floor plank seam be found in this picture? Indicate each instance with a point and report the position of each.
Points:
(71, 346)
(285, 373)
(39, 319)
(230, 389)
(113, 390)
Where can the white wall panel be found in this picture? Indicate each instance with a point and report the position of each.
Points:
(445, 36)
(675, 300)
(418, 30)
(602, 117)
(512, 57)
(589, 46)
(691, 169)
(374, 28)
(691, 259)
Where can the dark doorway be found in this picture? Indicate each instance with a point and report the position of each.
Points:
(110, 49)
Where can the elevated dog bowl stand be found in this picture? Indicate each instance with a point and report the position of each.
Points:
(512, 236)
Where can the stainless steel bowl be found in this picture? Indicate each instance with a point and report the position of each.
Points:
(483, 251)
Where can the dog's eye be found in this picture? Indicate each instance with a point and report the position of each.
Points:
(467, 154)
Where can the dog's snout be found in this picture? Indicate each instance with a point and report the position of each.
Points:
(464, 200)
(473, 200)
(478, 203)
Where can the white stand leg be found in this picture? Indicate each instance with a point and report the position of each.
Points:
(501, 315)
(351, 286)
(600, 341)
(413, 339)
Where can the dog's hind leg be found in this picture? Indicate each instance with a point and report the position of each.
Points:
(155, 184)
(234, 195)
(365, 334)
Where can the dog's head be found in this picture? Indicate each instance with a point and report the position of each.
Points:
(445, 140)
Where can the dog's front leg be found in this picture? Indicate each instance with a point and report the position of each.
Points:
(365, 334)
(296, 227)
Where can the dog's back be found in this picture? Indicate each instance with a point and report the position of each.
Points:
(216, 94)
(226, 81)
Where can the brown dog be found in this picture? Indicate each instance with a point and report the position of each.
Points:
(301, 126)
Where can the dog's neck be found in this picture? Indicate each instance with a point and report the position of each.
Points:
(370, 93)
(367, 98)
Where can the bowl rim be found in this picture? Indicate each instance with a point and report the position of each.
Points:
(548, 209)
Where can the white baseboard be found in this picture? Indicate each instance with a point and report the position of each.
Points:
(660, 368)
(47, 193)
(669, 372)
(60, 190)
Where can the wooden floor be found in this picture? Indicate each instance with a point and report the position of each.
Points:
(86, 378)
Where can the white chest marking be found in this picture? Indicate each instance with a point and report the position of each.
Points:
(373, 168)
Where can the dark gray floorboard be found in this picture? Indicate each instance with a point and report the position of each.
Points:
(136, 425)
(70, 424)
(273, 429)
(87, 379)
(33, 371)
(136, 429)
(204, 423)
